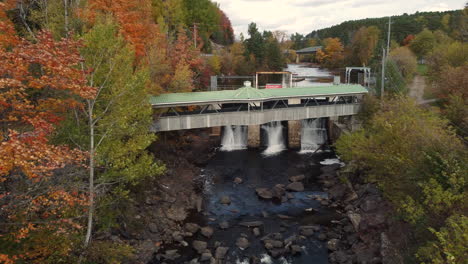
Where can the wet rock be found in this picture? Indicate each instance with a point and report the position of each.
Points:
(265, 214)
(206, 256)
(199, 246)
(355, 219)
(295, 250)
(176, 213)
(277, 252)
(264, 193)
(276, 236)
(194, 261)
(207, 231)
(221, 252)
(297, 178)
(337, 191)
(224, 225)
(352, 239)
(278, 191)
(281, 216)
(290, 239)
(339, 257)
(306, 230)
(322, 236)
(375, 219)
(274, 243)
(177, 236)
(171, 254)
(252, 224)
(256, 231)
(295, 187)
(333, 244)
(290, 196)
(191, 227)
(348, 229)
(238, 180)
(153, 228)
(242, 243)
(225, 200)
(369, 204)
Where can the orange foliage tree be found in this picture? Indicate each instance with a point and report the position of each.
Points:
(134, 17)
(332, 54)
(39, 206)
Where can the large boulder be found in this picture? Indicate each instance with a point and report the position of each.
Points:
(191, 227)
(221, 252)
(297, 178)
(295, 187)
(242, 243)
(225, 200)
(278, 191)
(199, 246)
(333, 244)
(207, 231)
(355, 219)
(264, 193)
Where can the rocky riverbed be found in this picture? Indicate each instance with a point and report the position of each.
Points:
(242, 207)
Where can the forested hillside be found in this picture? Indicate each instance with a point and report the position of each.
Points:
(450, 22)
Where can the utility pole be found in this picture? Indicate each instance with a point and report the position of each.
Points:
(383, 74)
(384, 57)
(389, 32)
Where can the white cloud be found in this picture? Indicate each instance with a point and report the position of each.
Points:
(304, 16)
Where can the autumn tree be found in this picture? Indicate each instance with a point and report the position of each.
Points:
(331, 55)
(135, 20)
(363, 44)
(41, 208)
(405, 60)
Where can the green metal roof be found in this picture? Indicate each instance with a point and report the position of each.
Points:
(247, 94)
(309, 50)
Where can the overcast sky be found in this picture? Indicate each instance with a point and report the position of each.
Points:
(303, 16)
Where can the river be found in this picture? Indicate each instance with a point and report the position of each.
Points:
(230, 184)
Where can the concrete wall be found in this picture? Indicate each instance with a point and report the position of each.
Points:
(253, 136)
(252, 117)
(294, 133)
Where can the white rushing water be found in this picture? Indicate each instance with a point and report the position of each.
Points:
(234, 138)
(275, 140)
(313, 134)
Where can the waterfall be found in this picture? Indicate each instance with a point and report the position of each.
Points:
(275, 141)
(313, 135)
(234, 138)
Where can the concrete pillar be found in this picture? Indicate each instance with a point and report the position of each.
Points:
(294, 134)
(253, 136)
(298, 58)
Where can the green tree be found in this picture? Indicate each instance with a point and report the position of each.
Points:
(255, 44)
(450, 245)
(114, 126)
(423, 43)
(419, 164)
(405, 60)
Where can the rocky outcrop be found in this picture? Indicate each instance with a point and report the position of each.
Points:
(360, 235)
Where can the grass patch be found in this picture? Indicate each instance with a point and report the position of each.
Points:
(422, 69)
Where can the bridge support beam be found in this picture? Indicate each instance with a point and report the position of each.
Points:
(253, 136)
(294, 133)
